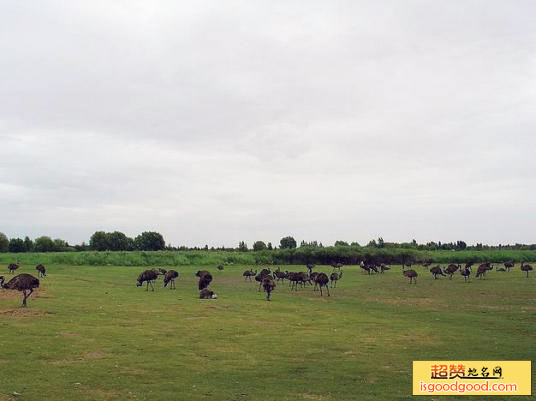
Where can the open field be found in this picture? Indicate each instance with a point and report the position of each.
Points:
(91, 334)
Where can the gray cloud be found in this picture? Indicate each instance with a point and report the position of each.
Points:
(217, 122)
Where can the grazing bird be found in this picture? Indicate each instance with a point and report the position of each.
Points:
(335, 277)
(384, 267)
(25, 283)
(268, 284)
(261, 275)
(280, 275)
(205, 293)
(322, 280)
(12, 267)
(482, 269)
(526, 268)
(451, 269)
(336, 266)
(205, 278)
(170, 277)
(466, 273)
(509, 265)
(147, 276)
(365, 267)
(248, 274)
(411, 274)
(436, 271)
(220, 267)
(426, 263)
(41, 270)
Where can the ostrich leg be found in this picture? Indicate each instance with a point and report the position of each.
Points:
(327, 288)
(24, 299)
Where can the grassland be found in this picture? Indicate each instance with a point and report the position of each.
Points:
(91, 334)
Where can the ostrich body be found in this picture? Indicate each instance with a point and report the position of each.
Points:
(384, 267)
(268, 284)
(205, 278)
(509, 265)
(24, 283)
(170, 277)
(466, 273)
(279, 275)
(12, 267)
(451, 269)
(220, 267)
(322, 280)
(482, 269)
(259, 277)
(411, 274)
(436, 271)
(335, 277)
(147, 276)
(526, 268)
(248, 274)
(41, 270)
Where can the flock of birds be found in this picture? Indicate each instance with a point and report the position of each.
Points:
(26, 283)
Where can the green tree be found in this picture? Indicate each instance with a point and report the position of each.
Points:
(28, 244)
(341, 243)
(44, 244)
(16, 245)
(150, 241)
(242, 246)
(259, 246)
(4, 243)
(270, 247)
(287, 243)
(117, 241)
(99, 241)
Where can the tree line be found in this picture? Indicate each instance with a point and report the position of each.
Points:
(154, 241)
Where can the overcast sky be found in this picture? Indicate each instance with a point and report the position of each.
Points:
(219, 121)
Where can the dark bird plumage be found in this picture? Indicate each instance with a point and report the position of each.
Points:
(322, 280)
(526, 268)
(411, 274)
(41, 270)
(268, 284)
(170, 277)
(12, 267)
(205, 278)
(335, 277)
(147, 276)
(205, 293)
(451, 269)
(248, 274)
(23, 282)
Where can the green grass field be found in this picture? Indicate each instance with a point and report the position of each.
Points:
(91, 334)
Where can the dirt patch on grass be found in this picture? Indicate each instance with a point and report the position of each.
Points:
(94, 355)
(23, 312)
(69, 334)
(406, 301)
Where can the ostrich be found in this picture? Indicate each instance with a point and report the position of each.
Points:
(509, 265)
(161, 271)
(451, 269)
(280, 275)
(312, 278)
(336, 266)
(466, 273)
(411, 274)
(384, 267)
(149, 276)
(12, 267)
(41, 270)
(205, 279)
(426, 263)
(322, 280)
(23, 282)
(268, 284)
(526, 268)
(482, 269)
(310, 267)
(365, 267)
(205, 293)
(220, 267)
(170, 277)
(248, 273)
(261, 275)
(335, 277)
(436, 271)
